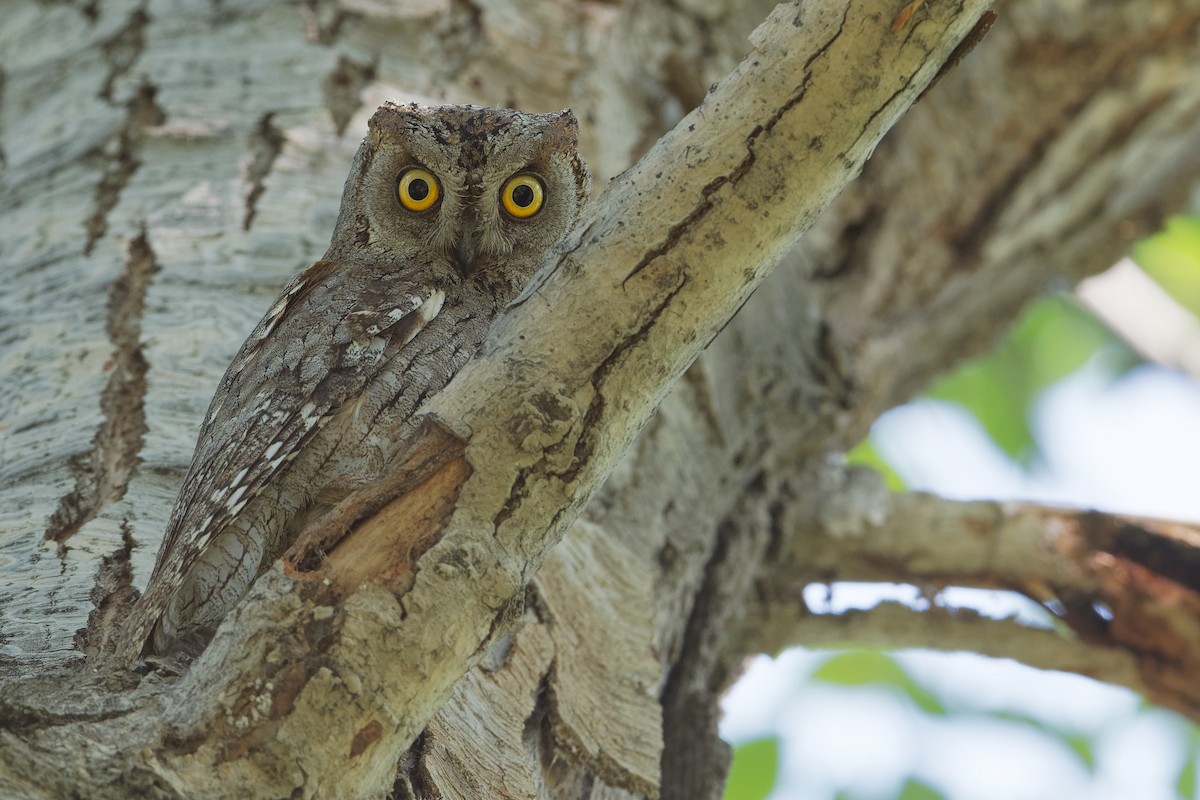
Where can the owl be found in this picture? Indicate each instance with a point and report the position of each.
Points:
(446, 214)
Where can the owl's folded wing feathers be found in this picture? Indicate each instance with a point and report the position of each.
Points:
(280, 391)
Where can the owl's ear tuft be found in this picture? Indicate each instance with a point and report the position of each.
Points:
(562, 131)
(568, 122)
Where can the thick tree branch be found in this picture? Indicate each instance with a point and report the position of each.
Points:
(1125, 587)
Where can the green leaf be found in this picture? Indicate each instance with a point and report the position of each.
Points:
(1059, 336)
(1052, 339)
(1079, 744)
(1172, 258)
(755, 766)
(915, 790)
(997, 392)
(864, 454)
(873, 668)
(1082, 746)
(1185, 784)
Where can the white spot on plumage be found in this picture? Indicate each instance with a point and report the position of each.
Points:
(272, 450)
(425, 312)
(237, 479)
(232, 502)
(241, 365)
(430, 308)
(273, 317)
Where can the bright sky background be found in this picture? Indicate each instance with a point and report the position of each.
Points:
(1130, 445)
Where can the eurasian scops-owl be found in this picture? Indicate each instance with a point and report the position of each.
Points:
(446, 214)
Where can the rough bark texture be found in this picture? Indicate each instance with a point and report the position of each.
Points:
(182, 161)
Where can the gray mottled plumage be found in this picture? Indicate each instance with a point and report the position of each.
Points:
(317, 399)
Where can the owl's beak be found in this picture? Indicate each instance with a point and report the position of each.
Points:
(464, 251)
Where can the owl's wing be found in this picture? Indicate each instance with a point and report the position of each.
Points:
(313, 351)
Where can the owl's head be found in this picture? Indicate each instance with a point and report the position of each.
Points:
(478, 194)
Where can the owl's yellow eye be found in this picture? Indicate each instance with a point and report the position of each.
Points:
(417, 189)
(523, 195)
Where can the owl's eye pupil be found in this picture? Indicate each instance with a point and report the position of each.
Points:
(522, 195)
(417, 189)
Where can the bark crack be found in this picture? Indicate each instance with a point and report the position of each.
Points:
(585, 444)
(90, 11)
(342, 90)
(123, 49)
(112, 596)
(3, 157)
(323, 20)
(735, 175)
(102, 474)
(695, 761)
(266, 142)
(141, 113)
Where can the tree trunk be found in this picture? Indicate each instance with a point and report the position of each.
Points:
(182, 162)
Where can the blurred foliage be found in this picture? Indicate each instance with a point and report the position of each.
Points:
(1081, 746)
(865, 454)
(875, 668)
(755, 765)
(1185, 782)
(880, 671)
(1172, 257)
(915, 790)
(1053, 337)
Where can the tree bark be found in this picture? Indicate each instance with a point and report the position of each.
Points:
(202, 166)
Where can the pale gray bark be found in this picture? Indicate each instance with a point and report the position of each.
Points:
(201, 166)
